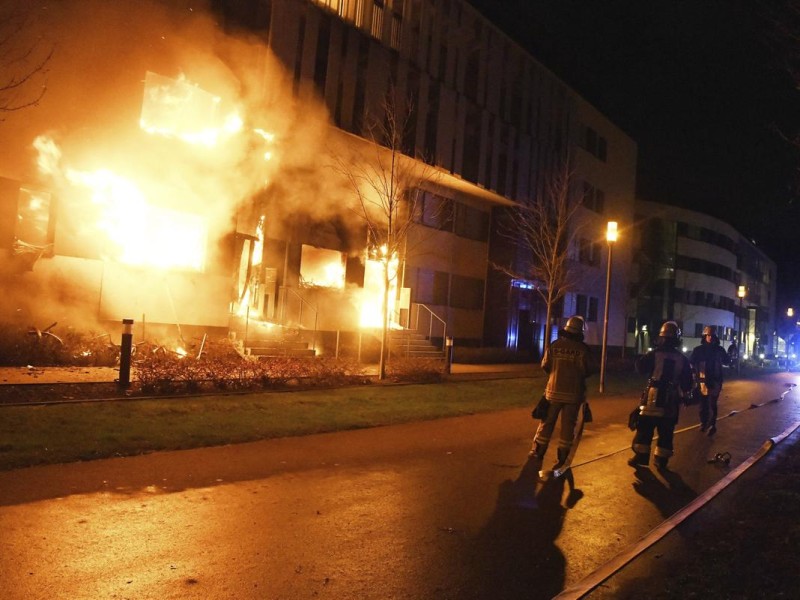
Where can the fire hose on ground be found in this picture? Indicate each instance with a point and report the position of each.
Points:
(604, 572)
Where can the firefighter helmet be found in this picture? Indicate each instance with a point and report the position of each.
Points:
(708, 330)
(670, 329)
(575, 325)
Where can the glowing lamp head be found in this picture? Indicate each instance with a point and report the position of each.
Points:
(611, 232)
(742, 292)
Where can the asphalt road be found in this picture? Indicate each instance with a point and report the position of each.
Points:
(441, 509)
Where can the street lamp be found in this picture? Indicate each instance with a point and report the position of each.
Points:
(611, 237)
(742, 292)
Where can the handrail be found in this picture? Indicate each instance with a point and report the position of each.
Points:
(303, 302)
(432, 316)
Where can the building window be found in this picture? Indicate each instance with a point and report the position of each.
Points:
(593, 198)
(431, 287)
(595, 144)
(298, 63)
(321, 57)
(471, 223)
(588, 252)
(33, 220)
(397, 30)
(434, 211)
(592, 314)
(377, 19)
(359, 100)
(587, 307)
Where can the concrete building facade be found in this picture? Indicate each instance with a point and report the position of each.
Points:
(492, 123)
(688, 267)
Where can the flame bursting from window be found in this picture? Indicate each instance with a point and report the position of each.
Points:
(138, 229)
(371, 315)
(135, 231)
(249, 279)
(141, 234)
(177, 108)
(321, 267)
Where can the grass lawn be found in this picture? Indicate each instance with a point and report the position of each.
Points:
(35, 435)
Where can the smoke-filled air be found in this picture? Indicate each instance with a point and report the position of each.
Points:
(155, 128)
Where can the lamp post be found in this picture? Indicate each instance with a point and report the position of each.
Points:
(785, 335)
(742, 292)
(611, 237)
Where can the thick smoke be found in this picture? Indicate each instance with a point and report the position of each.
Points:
(91, 111)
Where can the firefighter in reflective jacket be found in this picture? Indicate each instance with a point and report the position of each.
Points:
(568, 362)
(708, 359)
(669, 384)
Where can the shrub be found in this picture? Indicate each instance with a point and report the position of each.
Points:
(20, 346)
(415, 370)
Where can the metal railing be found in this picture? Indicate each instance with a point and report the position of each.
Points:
(422, 312)
(285, 297)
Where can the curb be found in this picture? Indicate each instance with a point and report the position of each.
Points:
(594, 579)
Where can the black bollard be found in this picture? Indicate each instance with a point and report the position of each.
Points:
(125, 353)
(448, 357)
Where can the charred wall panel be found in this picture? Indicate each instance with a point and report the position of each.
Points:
(9, 194)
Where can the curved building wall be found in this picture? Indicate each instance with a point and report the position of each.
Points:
(693, 276)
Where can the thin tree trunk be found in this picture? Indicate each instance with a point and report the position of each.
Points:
(385, 328)
(547, 326)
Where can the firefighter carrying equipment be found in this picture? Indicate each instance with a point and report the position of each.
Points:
(660, 398)
(541, 410)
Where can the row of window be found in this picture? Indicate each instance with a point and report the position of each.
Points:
(501, 168)
(704, 267)
(446, 289)
(444, 214)
(709, 236)
(698, 298)
(353, 11)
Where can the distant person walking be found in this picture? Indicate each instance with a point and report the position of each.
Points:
(733, 353)
(669, 381)
(568, 362)
(708, 360)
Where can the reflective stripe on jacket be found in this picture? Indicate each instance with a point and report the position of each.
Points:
(568, 362)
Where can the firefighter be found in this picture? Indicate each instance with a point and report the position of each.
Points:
(568, 362)
(668, 385)
(708, 359)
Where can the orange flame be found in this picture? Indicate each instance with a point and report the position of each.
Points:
(372, 299)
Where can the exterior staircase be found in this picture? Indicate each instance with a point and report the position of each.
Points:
(279, 348)
(412, 344)
(263, 339)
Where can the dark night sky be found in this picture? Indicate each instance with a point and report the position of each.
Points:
(699, 85)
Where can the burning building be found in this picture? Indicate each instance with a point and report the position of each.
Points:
(188, 168)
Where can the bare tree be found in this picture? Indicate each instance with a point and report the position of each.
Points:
(386, 183)
(545, 231)
(24, 57)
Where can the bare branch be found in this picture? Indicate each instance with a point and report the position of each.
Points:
(24, 58)
(544, 232)
(385, 183)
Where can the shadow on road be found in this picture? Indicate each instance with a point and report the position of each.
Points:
(665, 489)
(515, 555)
